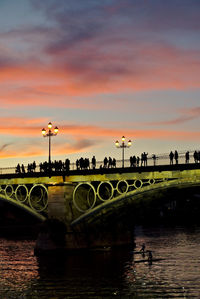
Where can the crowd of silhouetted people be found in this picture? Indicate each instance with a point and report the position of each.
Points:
(196, 156)
(173, 157)
(30, 168)
(109, 163)
(137, 161)
(85, 163)
(55, 166)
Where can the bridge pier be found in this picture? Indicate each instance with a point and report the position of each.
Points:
(60, 207)
(60, 203)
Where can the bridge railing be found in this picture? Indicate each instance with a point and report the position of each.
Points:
(161, 159)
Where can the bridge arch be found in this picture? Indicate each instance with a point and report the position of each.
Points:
(22, 206)
(32, 198)
(130, 197)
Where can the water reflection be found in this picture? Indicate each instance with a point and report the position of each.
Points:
(17, 269)
(94, 274)
(106, 274)
(177, 274)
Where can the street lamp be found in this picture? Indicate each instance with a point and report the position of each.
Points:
(123, 146)
(49, 134)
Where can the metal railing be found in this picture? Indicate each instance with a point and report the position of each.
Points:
(161, 159)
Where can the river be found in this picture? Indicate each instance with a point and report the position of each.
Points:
(109, 273)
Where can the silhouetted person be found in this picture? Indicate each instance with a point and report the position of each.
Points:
(105, 162)
(87, 163)
(145, 158)
(29, 167)
(171, 157)
(93, 162)
(23, 169)
(195, 155)
(18, 170)
(34, 166)
(143, 248)
(154, 159)
(176, 157)
(67, 164)
(142, 159)
(134, 161)
(81, 163)
(110, 162)
(187, 157)
(138, 161)
(43, 167)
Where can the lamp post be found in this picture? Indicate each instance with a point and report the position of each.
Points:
(49, 134)
(123, 146)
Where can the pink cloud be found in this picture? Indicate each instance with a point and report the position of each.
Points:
(185, 116)
(91, 70)
(22, 127)
(82, 137)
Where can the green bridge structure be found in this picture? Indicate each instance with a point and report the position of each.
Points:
(86, 198)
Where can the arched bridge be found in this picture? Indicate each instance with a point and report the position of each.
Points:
(77, 197)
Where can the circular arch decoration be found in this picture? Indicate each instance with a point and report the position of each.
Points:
(9, 190)
(105, 189)
(38, 197)
(138, 184)
(87, 197)
(151, 181)
(21, 193)
(122, 187)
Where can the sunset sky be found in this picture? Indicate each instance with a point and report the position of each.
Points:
(98, 70)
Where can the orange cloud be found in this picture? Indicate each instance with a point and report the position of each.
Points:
(148, 67)
(22, 127)
(82, 138)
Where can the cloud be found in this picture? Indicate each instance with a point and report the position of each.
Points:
(4, 146)
(75, 139)
(181, 14)
(93, 71)
(91, 47)
(77, 146)
(21, 152)
(187, 115)
(23, 127)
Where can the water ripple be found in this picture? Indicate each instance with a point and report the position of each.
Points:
(111, 274)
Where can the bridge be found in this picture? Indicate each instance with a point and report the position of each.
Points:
(81, 198)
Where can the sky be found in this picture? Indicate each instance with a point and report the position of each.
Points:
(98, 70)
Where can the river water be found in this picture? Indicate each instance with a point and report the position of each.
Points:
(109, 273)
